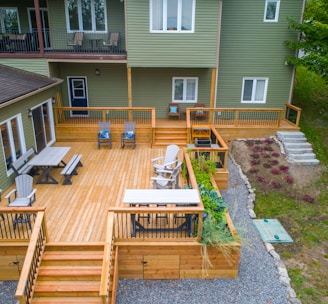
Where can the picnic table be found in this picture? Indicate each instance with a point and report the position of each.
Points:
(47, 159)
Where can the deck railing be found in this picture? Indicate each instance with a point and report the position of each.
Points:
(235, 117)
(155, 222)
(292, 114)
(107, 266)
(19, 231)
(57, 41)
(92, 115)
(32, 259)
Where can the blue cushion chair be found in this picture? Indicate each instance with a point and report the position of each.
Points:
(174, 110)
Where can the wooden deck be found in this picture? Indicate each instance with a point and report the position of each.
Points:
(78, 212)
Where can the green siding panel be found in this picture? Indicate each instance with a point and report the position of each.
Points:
(178, 50)
(152, 87)
(38, 66)
(107, 90)
(250, 47)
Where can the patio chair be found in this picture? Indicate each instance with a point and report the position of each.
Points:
(77, 40)
(23, 196)
(104, 134)
(129, 134)
(173, 110)
(169, 182)
(113, 42)
(168, 161)
(200, 114)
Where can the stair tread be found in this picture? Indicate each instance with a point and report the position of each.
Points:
(66, 286)
(69, 271)
(72, 256)
(66, 300)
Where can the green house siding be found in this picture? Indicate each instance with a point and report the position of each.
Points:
(11, 111)
(252, 48)
(39, 66)
(106, 90)
(195, 50)
(57, 17)
(152, 87)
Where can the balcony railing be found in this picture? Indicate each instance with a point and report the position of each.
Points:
(55, 41)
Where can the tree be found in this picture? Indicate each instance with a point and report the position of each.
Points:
(313, 33)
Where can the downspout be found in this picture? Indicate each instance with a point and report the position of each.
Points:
(218, 51)
(39, 26)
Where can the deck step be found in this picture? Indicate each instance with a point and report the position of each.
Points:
(48, 273)
(170, 135)
(66, 300)
(66, 288)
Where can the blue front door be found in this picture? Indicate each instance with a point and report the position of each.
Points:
(78, 94)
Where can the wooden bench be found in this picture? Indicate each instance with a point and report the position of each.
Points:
(21, 166)
(70, 168)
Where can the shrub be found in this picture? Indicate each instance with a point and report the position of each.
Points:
(255, 161)
(275, 171)
(255, 155)
(289, 180)
(266, 165)
(284, 169)
(253, 170)
(265, 155)
(274, 162)
(275, 154)
(308, 198)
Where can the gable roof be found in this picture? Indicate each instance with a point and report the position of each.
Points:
(16, 83)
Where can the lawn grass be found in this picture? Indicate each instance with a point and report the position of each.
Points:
(307, 258)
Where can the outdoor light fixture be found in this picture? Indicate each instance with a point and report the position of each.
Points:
(53, 100)
(29, 113)
(97, 72)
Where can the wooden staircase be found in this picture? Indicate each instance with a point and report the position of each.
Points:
(165, 136)
(69, 274)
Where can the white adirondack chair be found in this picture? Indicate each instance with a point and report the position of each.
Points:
(168, 161)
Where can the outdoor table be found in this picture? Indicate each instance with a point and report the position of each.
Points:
(177, 197)
(45, 160)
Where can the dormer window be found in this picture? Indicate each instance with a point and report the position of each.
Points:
(171, 16)
(271, 11)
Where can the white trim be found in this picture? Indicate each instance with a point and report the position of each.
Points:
(184, 100)
(179, 14)
(93, 18)
(276, 16)
(21, 139)
(255, 80)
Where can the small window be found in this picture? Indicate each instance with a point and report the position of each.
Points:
(171, 16)
(9, 20)
(86, 15)
(271, 11)
(254, 90)
(185, 89)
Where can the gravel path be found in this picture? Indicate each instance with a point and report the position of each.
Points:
(258, 280)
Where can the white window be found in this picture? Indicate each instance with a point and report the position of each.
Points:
(185, 89)
(254, 90)
(86, 15)
(12, 139)
(271, 11)
(171, 16)
(9, 20)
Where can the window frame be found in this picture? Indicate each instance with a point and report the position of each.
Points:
(276, 16)
(255, 80)
(2, 25)
(11, 139)
(80, 20)
(184, 100)
(164, 18)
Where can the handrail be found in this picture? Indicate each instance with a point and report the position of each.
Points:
(24, 291)
(107, 260)
(292, 114)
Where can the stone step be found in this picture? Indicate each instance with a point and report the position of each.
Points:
(302, 156)
(304, 162)
(282, 135)
(304, 145)
(299, 151)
